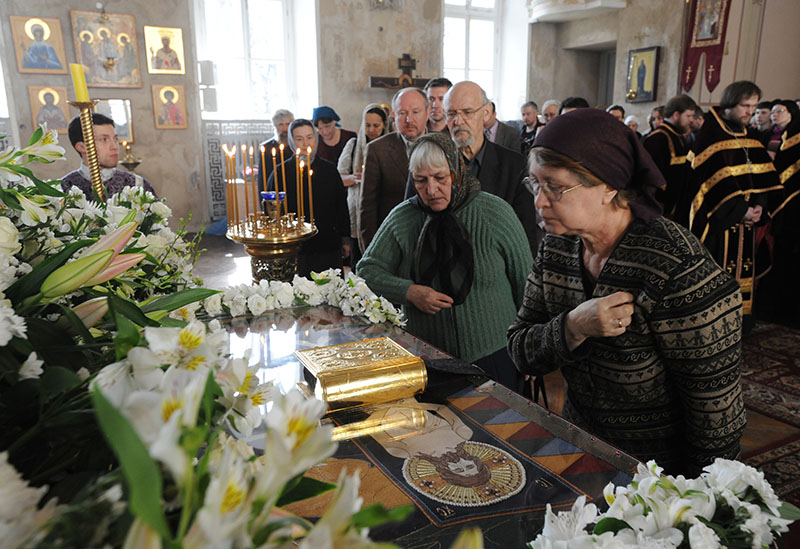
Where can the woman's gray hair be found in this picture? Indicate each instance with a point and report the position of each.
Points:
(427, 155)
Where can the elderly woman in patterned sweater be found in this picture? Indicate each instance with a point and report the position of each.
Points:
(644, 325)
(456, 257)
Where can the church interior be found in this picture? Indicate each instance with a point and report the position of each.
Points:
(184, 80)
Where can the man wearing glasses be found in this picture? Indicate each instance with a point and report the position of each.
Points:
(499, 170)
(107, 145)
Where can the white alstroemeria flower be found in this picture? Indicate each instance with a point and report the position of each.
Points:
(331, 531)
(295, 440)
(665, 539)
(166, 448)
(180, 346)
(146, 367)
(226, 506)
(247, 413)
(21, 521)
(31, 368)
(703, 537)
(46, 147)
(569, 524)
(33, 211)
(142, 536)
(115, 382)
(9, 237)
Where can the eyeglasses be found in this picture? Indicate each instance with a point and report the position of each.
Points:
(779, 111)
(466, 114)
(552, 192)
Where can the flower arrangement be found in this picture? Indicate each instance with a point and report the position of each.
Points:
(729, 505)
(117, 406)
(351, 294)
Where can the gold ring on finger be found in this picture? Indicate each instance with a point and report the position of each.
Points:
(619, 321)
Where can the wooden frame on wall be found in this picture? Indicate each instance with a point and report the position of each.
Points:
(38, 45)
(642, 75)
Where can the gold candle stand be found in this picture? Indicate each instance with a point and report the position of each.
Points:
(272, 240)
(91, 149)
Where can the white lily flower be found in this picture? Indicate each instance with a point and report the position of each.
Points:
(33, 211)
(738, 477)
(46, 147)
(569, 524)
(703, 537)
(9, 237)
(226, 506)
(115, 381)
(167, 449)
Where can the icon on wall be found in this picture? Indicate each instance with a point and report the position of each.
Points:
(169, 107)
(105, 44)
(642, 75)
(164, 46)
(38, 45)
(49, 106)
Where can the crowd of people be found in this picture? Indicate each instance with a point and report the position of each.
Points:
(569, 240)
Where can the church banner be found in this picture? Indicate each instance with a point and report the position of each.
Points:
(708, 23)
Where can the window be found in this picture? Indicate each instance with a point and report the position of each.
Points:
(468, 53)
(251, 45)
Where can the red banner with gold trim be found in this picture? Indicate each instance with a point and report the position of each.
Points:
(708, 23)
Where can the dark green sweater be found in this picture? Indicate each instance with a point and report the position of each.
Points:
(477, 327)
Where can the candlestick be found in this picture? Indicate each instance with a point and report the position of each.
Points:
(79, 82)
(87, 129)
(300, 201)
(297, 173)
(283, 177)
(232, 159)
(253, 188)
(244, 176)
(310, 195)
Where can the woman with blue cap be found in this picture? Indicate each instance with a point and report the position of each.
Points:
(332, 138)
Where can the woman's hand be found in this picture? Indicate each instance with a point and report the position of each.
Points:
(599, 317)
(753, 214)
(428, 300)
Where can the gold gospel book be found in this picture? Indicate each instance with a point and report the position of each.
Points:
(371, 371)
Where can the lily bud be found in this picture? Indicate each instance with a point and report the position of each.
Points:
(115, 240)
(72, 276)
(90, 312)
(116, 266)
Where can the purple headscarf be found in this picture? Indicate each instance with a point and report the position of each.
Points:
(608, 149)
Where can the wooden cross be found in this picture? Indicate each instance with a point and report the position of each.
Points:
(710, 70)
(406, 64)
(688, 74)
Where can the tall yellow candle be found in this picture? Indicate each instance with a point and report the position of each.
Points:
(264, 164)
(283, 178)
(297, 173)
(300, 200)
(244, 188)
(232, 160)
(253, 184)
(310, 195)
(79, 82)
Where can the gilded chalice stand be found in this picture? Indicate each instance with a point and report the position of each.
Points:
(259, 219)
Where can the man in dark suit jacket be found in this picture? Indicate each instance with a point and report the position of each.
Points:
(386, 165)
(499, 170)
(501, 133)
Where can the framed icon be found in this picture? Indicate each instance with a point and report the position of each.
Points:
(164, 47)
(169, 107)
(38, 45)
(118, 110)
(49, 106)
(642, 75)
(105, 44)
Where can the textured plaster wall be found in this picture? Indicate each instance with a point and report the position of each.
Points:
(172, 160)
(564, 61)
(356, 42)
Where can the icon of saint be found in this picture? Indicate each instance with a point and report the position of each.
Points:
(49, 113)
(165, 58)
(39, 54)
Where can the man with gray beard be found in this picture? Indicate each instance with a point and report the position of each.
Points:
(499, 170)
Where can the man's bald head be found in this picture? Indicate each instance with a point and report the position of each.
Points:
(466, 109)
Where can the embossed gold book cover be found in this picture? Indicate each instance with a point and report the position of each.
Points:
(364, 372)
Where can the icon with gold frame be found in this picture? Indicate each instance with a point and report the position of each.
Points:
(38, 45)
(169, 107)
(106, 46)
(164, 47)
(49, 106)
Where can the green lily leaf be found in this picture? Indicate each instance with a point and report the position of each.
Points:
(130, 311)
(37, 135)
(610, 524)
(178, 299)
(141, 472)
(127, 336)
(57, 380)
(376, 514)
(304, 488)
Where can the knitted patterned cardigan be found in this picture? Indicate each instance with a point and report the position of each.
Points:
(669, 387)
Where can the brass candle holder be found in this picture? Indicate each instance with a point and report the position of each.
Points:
(129, 161)
(260, 222)
(87, 128)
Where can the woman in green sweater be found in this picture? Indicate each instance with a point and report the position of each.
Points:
(456, 258)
